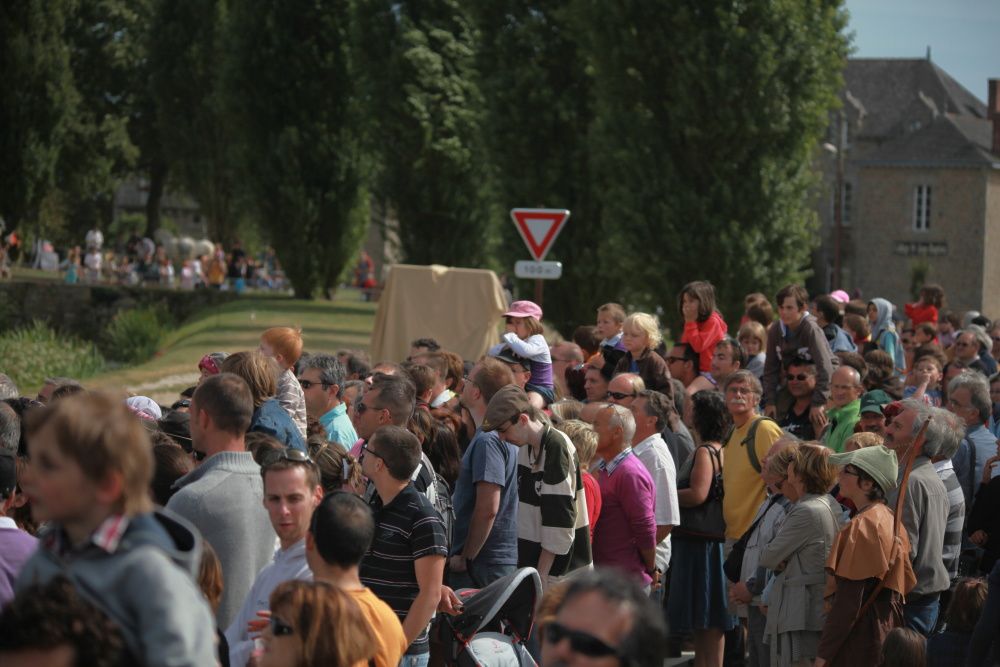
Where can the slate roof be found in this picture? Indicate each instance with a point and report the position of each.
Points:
(916, 114)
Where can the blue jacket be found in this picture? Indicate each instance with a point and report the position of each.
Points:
(146, 586)
(274, 420)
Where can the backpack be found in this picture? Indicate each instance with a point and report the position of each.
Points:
(748, 441)
(439, 494)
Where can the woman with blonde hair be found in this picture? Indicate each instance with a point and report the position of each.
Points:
(315, 623)
(640, 336)
(798, 554)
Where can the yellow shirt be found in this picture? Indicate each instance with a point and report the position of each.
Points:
(744, 489)
(385, 626)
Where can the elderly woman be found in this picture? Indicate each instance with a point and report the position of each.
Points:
(864, 553)
(798, 553)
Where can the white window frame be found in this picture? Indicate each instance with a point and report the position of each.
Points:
(922, 201)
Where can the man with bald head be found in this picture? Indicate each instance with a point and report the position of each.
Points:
(625, 534)
(845, 407)
(623, 389)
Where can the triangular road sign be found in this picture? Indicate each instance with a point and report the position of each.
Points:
(539, 228)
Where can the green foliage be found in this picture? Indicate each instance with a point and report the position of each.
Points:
(705, 117)
(35, 352)
(416, 63)
(293, 96)
(36, 84)
(133, 336)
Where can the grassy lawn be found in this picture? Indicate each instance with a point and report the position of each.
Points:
(327, 326)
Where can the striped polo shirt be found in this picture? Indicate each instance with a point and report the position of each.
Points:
(552, 507)
(406, 529)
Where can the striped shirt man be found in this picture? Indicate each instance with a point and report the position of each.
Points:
(956, 517)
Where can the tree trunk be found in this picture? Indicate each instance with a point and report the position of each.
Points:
(157, 182)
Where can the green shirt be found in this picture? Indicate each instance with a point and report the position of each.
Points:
(841, 426)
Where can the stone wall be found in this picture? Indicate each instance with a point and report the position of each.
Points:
(85, 310)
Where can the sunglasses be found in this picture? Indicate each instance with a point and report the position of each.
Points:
(361, 408)
(366, 448)
(293, 455)
(581, 642)
(306, 384)
(801, 377)
(198, 455)
(281, 629)
(618, 396)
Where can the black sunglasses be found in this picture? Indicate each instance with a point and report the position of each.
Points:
(801, 377)
(366, 448)
(617, 395)
(306, 384)
(287, 454)
(280, 629)
(581, 642)
(198, 455)
(361, 408)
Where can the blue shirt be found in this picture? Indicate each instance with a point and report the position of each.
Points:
(488, 459)
(339, 428)
(978, 445)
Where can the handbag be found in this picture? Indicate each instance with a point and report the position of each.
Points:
(733, 566)
(705, 521)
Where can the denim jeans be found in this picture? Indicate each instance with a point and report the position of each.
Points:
(481, 575)
(921, 615)
(418, 660)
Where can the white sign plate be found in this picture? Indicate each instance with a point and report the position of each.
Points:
(538, 270)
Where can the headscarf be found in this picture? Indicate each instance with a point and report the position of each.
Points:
(884, 324)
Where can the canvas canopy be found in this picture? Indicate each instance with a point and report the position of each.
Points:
(460, 308)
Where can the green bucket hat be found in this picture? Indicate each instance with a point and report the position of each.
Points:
(879, 462)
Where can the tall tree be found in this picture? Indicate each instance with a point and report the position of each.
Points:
(39, 103)
(416, 61)
(188, 52)
(538, 109)
(706, 116)
(291, 93)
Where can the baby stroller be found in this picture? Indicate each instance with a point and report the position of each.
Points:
(494, 623)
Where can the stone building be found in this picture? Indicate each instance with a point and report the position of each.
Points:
(920, 162)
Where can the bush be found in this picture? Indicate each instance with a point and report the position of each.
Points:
(31, 354)
(133, 336)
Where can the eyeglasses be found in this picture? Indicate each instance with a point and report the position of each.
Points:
(198, 455)
(306, 384)
(466, 378)
(361, 408)
(801, 377)
(581, 642)
(618, 396)
(366, 448)
(281, 629)
(739, 391)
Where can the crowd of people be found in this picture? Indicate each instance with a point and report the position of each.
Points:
(817, 490)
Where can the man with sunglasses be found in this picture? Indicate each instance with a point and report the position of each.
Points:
(604, 620)
(623, 389)
(222, 497)
(291, 492)
(405, 564)
(800, 383)
(322, 379)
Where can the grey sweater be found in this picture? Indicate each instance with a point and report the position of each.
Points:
(223, 499)
(146, 585)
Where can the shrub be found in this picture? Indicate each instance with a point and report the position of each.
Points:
(32, 353)
(133, 336)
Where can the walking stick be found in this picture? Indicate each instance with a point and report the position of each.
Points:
(909, 458)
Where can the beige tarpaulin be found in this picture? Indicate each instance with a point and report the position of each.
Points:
(460, 308)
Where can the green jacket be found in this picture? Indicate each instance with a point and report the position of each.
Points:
(841, 426)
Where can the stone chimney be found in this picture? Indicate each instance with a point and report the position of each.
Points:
(993, 113)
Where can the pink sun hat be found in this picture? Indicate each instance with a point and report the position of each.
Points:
(524, 309)
(840, 295)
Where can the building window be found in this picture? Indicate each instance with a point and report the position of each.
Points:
(922, 208)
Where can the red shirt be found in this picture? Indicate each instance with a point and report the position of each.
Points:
(920, 313)
(592, 495)
(703, 336)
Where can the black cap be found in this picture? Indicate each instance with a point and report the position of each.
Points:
(177, 425)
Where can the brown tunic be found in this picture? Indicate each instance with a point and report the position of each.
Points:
(863, 553)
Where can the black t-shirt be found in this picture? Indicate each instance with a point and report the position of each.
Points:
(798, 425)
(406, 529)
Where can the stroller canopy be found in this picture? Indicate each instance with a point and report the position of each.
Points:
(510, 600)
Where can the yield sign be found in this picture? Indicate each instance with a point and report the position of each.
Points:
(539, 227)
